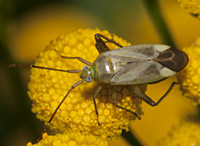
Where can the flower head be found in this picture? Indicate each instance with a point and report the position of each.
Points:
(190, 76)
(184, 134)
(47, 88)
(192, 6)
(70, 139)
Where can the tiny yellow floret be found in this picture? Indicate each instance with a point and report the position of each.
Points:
(47, 88)
(184, 134)
(191, 6)
(190, 76)
(71, 139)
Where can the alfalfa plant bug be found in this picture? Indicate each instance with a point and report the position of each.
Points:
(131, 65)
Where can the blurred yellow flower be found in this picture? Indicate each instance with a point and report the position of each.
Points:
(192, 6)
(184, 134)
(31, 33)
(190, 76)
(158, 120)
(47, 88)
(70, 139)
(183, 27)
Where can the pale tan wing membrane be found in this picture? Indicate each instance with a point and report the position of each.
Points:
(134, 52)
(138, 72)
(173, 59)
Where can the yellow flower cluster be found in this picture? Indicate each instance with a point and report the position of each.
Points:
(47, 88)
(190, 76)
(184, 134)
(192, 6)
(71, 139)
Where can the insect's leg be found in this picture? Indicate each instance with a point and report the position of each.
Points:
(78, 58)
(99, 88)
(54, 113)
(147, 99)
(100, 36)
(101, 44)
(114, 96)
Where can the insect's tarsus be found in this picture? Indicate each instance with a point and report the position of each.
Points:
(114, 96)
(95, 106)
(99, 88)
(166, 93)
(127, 110)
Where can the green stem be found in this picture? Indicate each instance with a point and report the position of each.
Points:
(198, 111)
(130, 138)
(20, 116)
(155, 13)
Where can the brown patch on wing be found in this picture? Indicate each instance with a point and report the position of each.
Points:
(148, 51)
(151, 69)
(173, 59)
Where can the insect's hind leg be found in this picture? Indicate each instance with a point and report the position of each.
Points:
(147, 99)
(101, 44)
(78, 58)
(98, 35)
(114, 95)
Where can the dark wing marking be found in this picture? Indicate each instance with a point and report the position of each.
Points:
(173, 59)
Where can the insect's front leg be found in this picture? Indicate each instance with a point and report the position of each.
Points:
(114, 96)
(99, 88)
(78, 58)
(101, 44)
(147, 99)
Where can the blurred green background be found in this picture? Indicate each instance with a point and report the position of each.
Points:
(26, 27)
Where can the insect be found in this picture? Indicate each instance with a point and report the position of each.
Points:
(131, 65)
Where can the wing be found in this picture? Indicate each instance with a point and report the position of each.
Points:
(136, 52)
(138, 72)
(138, 64)
(171, 58)
(144, 63)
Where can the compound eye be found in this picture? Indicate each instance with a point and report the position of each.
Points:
(89, 79)
(85, 67)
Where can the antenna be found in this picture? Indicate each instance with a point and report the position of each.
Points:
(40, 67)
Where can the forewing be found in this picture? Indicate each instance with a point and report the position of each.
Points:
(143, 63)
(137, 72)
(135, 52)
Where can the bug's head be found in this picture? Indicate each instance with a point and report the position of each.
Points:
(86, 74)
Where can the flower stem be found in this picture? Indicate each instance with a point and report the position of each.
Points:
(130, 138)
(198, 111)
(155, 13)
